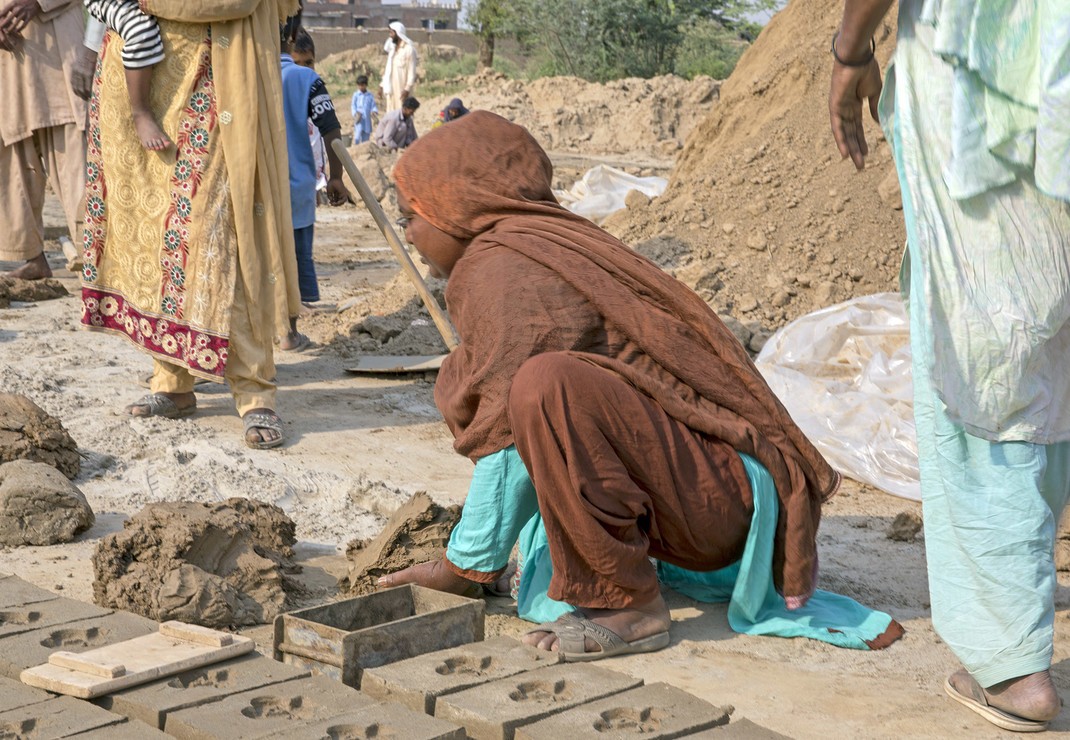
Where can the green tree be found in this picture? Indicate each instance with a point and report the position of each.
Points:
(489, 19)
(608, 39)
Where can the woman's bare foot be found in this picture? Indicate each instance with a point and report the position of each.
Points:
(1030, 697)
(432, 574)
(631, 624)
(32, 269)
(148, 130)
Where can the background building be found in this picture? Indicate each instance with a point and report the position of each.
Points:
(430, 15)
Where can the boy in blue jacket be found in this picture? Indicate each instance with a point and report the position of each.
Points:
(304, 97)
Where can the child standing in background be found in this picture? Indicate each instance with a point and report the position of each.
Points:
(304, 55)
(362, 107)
(304, 97)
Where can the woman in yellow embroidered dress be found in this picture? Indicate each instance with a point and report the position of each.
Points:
(189, 252)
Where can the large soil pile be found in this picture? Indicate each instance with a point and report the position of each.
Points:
(761, 216)
(642, 119)
(634, 117)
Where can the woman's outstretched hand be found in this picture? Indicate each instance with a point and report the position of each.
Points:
(850, 87)
(432, 574)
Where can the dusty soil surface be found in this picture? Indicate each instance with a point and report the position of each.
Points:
(758, 196)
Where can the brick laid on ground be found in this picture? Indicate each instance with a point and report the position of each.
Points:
(27, 649)
(493, 711)
(14, 695)
(16, 592)
(382, 721)
(152, 702)
(41, 614)
(129, 729)
(281, 708)
(58, 717)
(419, 681)
(654, 712)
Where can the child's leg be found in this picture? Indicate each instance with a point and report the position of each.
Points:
(139, 85)
(142, 50)
(306, 268)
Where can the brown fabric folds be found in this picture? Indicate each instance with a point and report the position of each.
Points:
(536, 278)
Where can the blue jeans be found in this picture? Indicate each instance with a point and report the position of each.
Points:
(306, 268)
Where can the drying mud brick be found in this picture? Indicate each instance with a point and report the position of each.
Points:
(21, 651)
(59, 717)
(284, 708)
(741, 729)
(152, 702)
(381, 722)
(128, 730)
(218, 565)
(415, 533)
(654, 712)
(495, 710)
(37, 616)
(14, 694)
(419, 682)
(342, 639)
(39, 506)
(16, 592)
(28, 433)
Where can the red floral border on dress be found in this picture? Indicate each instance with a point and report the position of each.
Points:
(198, 350)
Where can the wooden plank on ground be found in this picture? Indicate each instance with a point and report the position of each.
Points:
(175, 648)
(396, 364)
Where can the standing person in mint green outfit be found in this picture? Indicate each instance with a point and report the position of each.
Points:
(977, 107)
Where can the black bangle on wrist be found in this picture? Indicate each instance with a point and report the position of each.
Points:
(853, 63)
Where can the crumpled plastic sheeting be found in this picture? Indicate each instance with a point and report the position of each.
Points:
(844, 375)
(602, 190)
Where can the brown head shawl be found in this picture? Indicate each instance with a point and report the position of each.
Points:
(486, 179)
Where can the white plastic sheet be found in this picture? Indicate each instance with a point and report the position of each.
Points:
(602, 191)
(844, 375)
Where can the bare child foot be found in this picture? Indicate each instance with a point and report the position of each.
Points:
(148, 130)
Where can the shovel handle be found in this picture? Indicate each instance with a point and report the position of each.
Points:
(442, 321)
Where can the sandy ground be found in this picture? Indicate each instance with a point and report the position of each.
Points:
(358, 447)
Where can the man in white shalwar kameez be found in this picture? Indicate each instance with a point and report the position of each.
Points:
(399, 76)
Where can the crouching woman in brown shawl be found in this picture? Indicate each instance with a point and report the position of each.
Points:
(614, 387)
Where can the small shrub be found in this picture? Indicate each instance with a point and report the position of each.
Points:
(708, 48)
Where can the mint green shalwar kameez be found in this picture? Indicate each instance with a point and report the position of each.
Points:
(977, 106)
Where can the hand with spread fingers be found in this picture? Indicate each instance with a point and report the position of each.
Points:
(851, 85)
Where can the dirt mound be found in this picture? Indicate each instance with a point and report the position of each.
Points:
(29, 291)
(634, 117)
(416, 533)
(38, 506)
(775, 223)
(640, 119)
(219, 565)
(28, 433)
